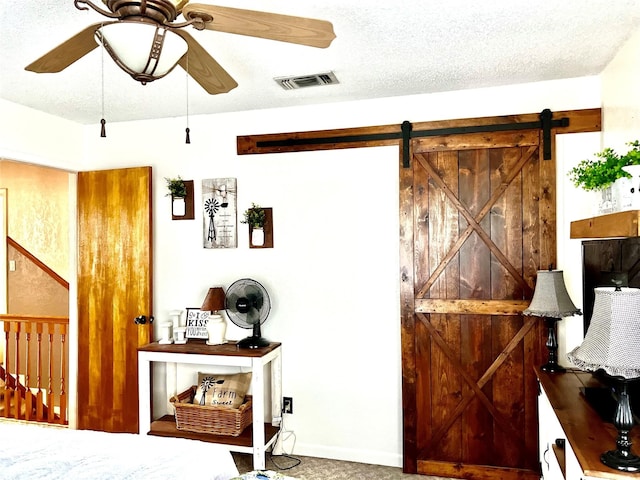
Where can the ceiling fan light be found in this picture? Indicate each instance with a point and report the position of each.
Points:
(145, 51)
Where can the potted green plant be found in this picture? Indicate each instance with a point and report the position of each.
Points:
(176, 187)
(602, 172)
(178, 193)
(255, 217)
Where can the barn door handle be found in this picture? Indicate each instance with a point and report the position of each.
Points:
(142, 319)
(544, 456)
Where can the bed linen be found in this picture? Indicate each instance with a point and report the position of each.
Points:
(32, 451)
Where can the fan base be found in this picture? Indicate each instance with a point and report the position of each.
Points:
(253, 342)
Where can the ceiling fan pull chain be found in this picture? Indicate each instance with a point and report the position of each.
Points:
(103, 130)
(187, 130)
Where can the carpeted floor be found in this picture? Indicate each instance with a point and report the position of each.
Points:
(311, 468)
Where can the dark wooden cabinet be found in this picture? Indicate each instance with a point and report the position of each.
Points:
(605, 262)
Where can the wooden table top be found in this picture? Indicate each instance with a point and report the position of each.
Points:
(587, 433)
(196, 346)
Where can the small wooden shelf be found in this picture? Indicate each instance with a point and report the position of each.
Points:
(254, 439)
(619, 224)
(166, 427)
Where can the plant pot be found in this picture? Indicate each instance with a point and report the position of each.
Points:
(631, 188)
(606, 200)
(257, 237)
(178, 207)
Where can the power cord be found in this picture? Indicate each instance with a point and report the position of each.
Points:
(285, 455)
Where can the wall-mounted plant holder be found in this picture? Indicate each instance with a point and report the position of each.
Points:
(183, 210)
(267, 231)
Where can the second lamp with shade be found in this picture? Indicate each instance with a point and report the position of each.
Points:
(551, 301)
(216, 326)
(611, 348)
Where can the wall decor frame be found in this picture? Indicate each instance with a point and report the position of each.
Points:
(196, 323)
(268, 230)
(219, 213)
(189, 213)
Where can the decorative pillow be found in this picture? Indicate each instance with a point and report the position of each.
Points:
(225, 390)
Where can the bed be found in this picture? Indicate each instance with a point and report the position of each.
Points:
(33, 451)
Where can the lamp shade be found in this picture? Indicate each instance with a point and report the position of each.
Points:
(214, 300)
(144, 50)
(550, 298)
(612, 342)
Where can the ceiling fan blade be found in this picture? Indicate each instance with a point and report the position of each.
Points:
(204, 69)
(67, 52)
(272, 26)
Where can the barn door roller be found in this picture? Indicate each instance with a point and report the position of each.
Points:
(546, 123)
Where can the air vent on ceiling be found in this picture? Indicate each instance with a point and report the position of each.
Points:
(304, 81)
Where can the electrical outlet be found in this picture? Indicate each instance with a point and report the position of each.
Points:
(287, 404)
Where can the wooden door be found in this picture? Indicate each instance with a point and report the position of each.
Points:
(478, 221)
(114, 287)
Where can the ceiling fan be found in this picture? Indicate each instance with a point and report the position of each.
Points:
(146, 42)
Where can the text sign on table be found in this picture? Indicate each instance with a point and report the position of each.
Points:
(197, 323)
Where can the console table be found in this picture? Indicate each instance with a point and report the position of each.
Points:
(257, 437)
(571, 433)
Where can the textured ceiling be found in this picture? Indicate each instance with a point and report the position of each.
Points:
(383, 49)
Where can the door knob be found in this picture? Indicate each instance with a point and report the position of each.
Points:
(142, 319)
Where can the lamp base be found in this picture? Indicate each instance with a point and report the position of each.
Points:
(626, 462)
(621, 458)
(552, 367)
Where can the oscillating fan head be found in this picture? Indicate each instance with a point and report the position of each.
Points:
(247, 303)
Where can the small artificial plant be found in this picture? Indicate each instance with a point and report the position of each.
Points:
(254, 216)
(176, 187)
(607, 168)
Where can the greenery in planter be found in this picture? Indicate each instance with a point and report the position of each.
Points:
(254, 216)
(607, 168)
(176, 187)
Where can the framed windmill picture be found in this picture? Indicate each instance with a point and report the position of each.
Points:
(219, 213)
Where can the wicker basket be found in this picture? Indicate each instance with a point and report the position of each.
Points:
(218, 420)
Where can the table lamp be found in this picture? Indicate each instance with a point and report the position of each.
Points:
(216, 326)
(551, 302)
(612, 345)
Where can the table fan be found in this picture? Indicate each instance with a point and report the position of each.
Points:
(247, 303)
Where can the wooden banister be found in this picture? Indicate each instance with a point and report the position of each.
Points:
(30, 364)
(38, 262)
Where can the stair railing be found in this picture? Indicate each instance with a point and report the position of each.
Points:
(35, 368)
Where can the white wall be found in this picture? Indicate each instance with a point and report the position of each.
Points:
(333, 274)
(621, 97)
(573, 204)
(35, 137)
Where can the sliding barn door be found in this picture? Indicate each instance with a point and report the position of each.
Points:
(114, 287)
(478, 221)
